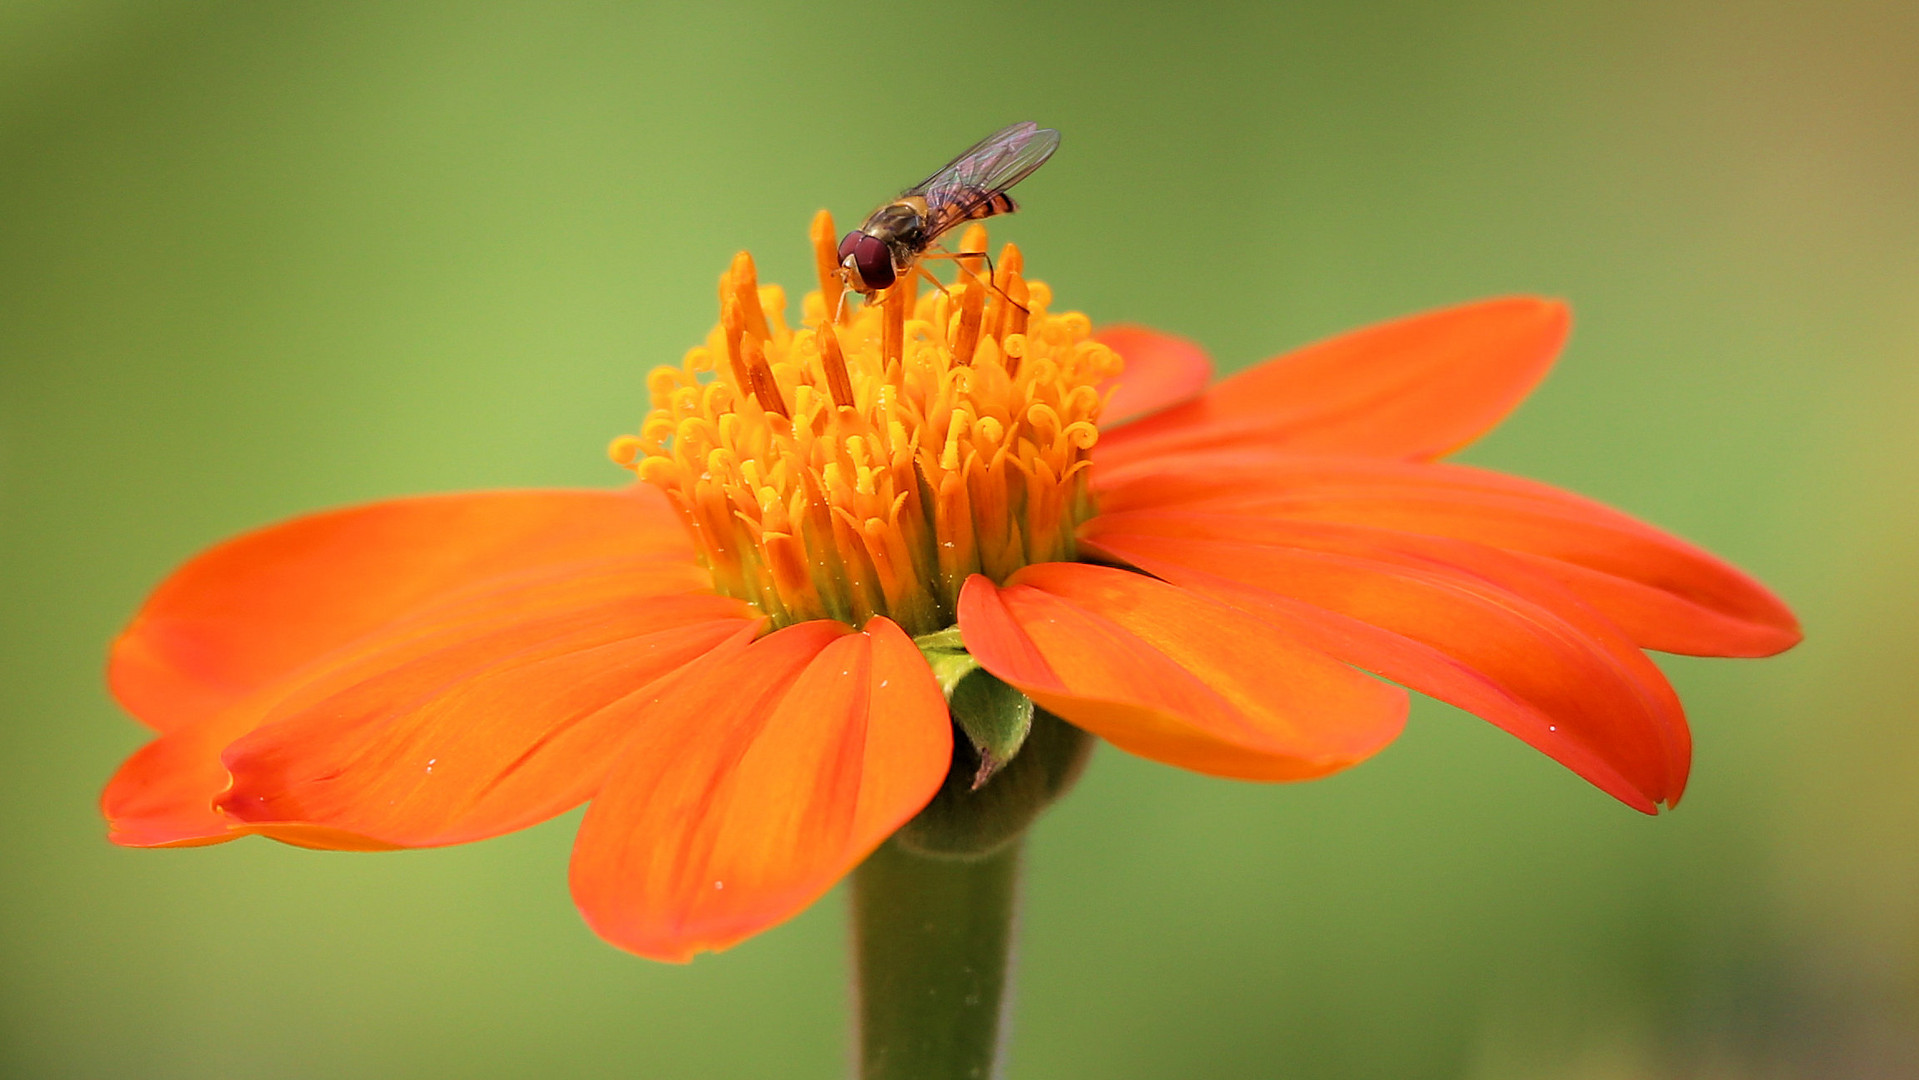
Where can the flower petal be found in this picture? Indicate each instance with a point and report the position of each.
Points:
(1161, 371)
(1169, 675)
(491, 732)
(1470, 625)
(246, 611)
(757, 783)
(162, 795)
(488, 676)
(1416, 387)
(1665, 593)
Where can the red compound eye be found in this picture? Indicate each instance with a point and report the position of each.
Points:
(871, 258)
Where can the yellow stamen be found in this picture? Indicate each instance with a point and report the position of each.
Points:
(833, 365)
(766, 389)
(826, 262)
(732, 326)
(972, 245)
(893, 309)
(741, 285)
(867, 468)
(1019, 306)
(1010, 265)
(972, 311)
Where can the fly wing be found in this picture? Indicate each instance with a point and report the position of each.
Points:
(973, 185)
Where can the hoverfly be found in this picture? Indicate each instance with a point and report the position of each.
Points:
(890, 243)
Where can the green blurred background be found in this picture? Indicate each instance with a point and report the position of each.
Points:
(257, 258)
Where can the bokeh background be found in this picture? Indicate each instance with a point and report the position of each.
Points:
(261, 258)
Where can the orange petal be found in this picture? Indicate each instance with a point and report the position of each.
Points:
(1170, 675)
(1665, 593)
(249, 610)
(490, 733)
(1417, 387)
(1470, 625)
(420, 683)
(1161, 371)
(162, 795)
(756, 784)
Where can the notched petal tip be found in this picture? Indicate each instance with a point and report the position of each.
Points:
(504, 724)
(341, 602)
(162, 795)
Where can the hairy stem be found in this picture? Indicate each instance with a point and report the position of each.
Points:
(932, 943)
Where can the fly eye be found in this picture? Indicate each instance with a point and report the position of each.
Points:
(847, 245)
(871, 257)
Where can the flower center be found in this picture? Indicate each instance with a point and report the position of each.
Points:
(866, 463)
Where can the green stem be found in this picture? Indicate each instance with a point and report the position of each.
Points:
(933, 939)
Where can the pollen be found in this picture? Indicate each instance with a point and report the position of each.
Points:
(869, 460)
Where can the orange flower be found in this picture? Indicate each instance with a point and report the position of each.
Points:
(721, 659)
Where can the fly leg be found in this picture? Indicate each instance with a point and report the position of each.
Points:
(960, 258)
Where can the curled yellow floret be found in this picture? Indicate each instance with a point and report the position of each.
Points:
(868, 461)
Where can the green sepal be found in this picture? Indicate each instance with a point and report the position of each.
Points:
(995, 717)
